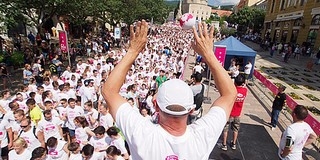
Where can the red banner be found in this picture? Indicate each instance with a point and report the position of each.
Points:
(315, 124)
(220, 52)
(63, 40)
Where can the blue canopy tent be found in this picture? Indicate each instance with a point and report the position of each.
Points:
(238, 50)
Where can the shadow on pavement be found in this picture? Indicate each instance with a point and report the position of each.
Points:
(254, 142)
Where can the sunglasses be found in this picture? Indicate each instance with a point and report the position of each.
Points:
(24, 126)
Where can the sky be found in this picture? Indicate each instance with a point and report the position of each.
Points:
(219, 2)
(222, 2)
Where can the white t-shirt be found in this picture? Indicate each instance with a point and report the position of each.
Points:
(247, 68)
(5, 104)
(62, 112)
(102, 143)
(106, 120)
(58, 152)
(199, 138)
(71, 114)
(198, 68)
(4, 125)
(81, 135)
(24, 155)
(94, 113)
(119, 143)
(299, 133)
(30, 138)
(50, 128)
(75, 156)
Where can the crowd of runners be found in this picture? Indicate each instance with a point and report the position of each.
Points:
(57, 113)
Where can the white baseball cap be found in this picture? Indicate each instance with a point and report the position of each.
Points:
(175, 92)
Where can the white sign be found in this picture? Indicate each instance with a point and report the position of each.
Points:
(117, 33)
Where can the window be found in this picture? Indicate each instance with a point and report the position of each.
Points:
(272, 5)
(286, 24)
(278, 24)
(316, 20)
(283, 2)
(297, 22)
(302, 2)
(291, 3)
(284, 36)
(276, 35)
(294, 36)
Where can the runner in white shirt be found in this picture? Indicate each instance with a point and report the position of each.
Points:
(38, 97)
(87, 94)
(116, 140)
(91, 114)
(30, 135)
(72, 112)
(4, 137)
(74, 149)
(171, 138)
(88, 153)
(50, 126)
(19, 115)
(4, 102)
(39, 153)
(20, 150)
(57, 149)
(198, 68)
(113, 153)
(105, 118)
(47, 85)
(62, 110)
(82, 132)
(100, 141)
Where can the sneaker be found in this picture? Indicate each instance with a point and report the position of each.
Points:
(233, 146)
(273, 128)
(224, 147)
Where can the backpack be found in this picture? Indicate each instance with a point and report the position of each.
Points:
(198, 98)
(33, 131)
(53, 68)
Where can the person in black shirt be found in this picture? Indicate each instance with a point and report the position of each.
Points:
(277, 105)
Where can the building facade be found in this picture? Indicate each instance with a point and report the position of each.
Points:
(198, 8)
(245, 3)
(295, 21)
(262, 4)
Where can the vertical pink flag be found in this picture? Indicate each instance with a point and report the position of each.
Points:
(220, 51)
(63, 41)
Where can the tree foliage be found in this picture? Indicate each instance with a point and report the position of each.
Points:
(36, 12)
(248, 17)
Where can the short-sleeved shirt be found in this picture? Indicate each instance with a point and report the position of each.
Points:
(35, 114)
(199, 138)
(279, 101)
(299, 132)
(160, 80)
(238, 104)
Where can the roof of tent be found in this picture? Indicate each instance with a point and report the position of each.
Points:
(236, 48)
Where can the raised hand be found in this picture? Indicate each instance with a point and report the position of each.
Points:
(203, 43)
(138, 38)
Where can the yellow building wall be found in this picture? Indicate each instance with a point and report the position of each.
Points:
(306, 20)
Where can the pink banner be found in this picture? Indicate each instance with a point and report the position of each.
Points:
(315, 124)
(220, 52)
(63, 40)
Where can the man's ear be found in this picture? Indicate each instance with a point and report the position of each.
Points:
(156, 107)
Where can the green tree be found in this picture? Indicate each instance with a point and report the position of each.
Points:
(37, 12)
(248, 17)
(32, 12)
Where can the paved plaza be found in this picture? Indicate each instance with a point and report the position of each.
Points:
(256, 139)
